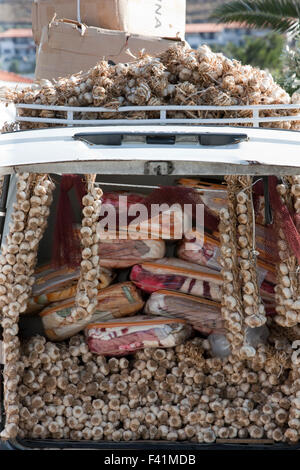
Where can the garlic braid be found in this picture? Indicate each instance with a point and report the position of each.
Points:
(29, 220)
(87, 288)
(287, 288)
(231, 309)
(254, 309)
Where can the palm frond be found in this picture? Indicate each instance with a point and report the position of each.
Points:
(282, 16)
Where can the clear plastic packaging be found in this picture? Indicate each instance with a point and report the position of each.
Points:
(127, 336)
(119, 300)
(116, 253)
(55, 285)
(204, 315)
(174, 274)
(205, 251)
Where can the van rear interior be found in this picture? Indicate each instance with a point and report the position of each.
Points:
(135, 184)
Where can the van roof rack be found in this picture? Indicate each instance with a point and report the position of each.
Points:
(74, 116)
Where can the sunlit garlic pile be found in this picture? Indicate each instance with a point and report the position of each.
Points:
(174, 394)
(179, 76)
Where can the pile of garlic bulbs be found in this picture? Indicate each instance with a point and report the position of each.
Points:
(179, 76)
(173, 394)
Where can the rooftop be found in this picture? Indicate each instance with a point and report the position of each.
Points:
(212, 27)
(13, 77)
(17, 33)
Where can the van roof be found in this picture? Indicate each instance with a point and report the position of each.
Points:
(55, 150)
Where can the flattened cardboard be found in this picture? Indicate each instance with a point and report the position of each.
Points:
(160, 18)
(66, 49)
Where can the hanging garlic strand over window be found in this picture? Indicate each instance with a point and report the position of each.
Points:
(18, 260)
(287, 291)
(232, 311)
(254, 309)
(87, 288)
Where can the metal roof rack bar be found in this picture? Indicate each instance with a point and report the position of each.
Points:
(69, 120)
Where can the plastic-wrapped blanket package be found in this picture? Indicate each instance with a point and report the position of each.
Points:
(203, 315)
(127, 336)
(214, 197)
(54, 285)
(174, 274)
(119, 300)
(206, 252)
(118, 253)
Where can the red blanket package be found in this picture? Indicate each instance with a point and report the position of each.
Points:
(204, 315)
(125, 336)
(116, 253)
(214, 197)
(206, 252)
(55, 284)
(178, 275)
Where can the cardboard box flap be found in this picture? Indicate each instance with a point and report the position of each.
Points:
(159, 18)
(106, 42)
(66, 49)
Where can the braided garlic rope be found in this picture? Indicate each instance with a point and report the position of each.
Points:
(232, 309)
(87, 288)
(287, 288)
(18, 260)
(253, 306)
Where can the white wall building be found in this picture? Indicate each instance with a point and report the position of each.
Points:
(219, 34)
(17, 45)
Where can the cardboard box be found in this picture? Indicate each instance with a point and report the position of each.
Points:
(66, 48)
(160, 18)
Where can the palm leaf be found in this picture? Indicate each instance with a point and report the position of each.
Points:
(280, 15)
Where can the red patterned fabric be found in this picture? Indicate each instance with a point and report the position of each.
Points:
(284, 219)
(66, 246)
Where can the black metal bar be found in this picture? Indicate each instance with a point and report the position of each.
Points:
(3, 201)
(28, 444)
(204, 139)
(268, 211)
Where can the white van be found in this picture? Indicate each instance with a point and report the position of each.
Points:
(143, 154)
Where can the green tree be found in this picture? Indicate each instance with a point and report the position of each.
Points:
(282, 16)
(263, 52)
(291, 69)
(14, 66)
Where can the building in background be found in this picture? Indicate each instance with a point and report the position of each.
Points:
(200, 11)
(17, 51)
(15, 13)
(221, 34)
